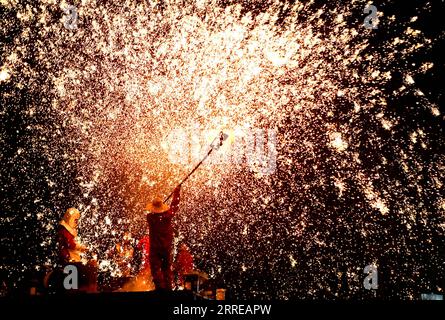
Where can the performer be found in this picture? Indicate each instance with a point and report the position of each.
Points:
(143, 248)
(69, 248)
(124, 255)
(70, 251)
(159, 217)
(143, 280)
(184, 264)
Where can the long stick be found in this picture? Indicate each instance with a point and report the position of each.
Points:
(222, 138)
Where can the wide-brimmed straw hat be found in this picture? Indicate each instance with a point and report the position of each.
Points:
(157, 206)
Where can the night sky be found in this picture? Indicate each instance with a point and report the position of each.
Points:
(98, 118)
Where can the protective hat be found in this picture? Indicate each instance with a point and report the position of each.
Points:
(70, 217)
(157, 206)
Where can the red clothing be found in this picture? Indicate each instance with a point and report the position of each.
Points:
(160, 224)
(184, 264)
(161, 244)
(144, 247)
(66, 242)
(87, 273)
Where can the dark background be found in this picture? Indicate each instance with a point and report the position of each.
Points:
(409, 260)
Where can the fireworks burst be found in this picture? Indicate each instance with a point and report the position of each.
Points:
(99, 103)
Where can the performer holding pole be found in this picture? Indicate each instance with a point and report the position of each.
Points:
(159, 218)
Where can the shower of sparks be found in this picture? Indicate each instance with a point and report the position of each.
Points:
(109, 94)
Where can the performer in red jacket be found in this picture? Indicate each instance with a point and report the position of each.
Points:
(69, 249)
(143, 247)
(159, 217)
(184, 263)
